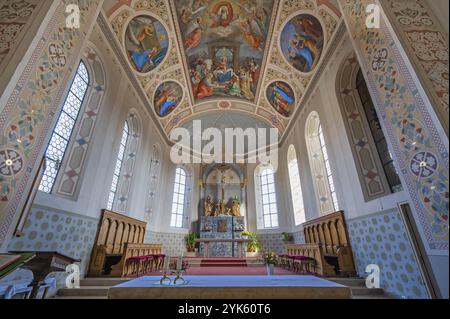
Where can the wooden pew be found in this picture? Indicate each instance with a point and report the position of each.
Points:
(327, 241)
(118, 238)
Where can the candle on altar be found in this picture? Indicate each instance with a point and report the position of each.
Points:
(180, 262)
(166, 263)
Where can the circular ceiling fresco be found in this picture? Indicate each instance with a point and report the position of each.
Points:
(282, 98)
(146, 43)
(302, 41)
(167, 97)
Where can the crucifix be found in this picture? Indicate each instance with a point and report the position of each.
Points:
(222, 169)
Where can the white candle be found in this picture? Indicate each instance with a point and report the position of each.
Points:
(179, 262)
(166, 263)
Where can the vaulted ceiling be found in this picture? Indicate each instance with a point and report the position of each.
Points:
(193, 59)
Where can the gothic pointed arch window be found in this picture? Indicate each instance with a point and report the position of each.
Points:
(266, 198)
(320, 165)
(119, 165)
(296, 187)
(62, 133)
(179, 198)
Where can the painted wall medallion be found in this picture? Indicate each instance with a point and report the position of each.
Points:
(302, 41)
(282, 98)
(146, 43)
(167, 97)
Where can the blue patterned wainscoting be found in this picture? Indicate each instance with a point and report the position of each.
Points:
(382, 239)
(272, 243)
(298, 237)
(48, 229)
(173, 244)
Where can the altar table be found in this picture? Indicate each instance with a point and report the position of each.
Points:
(232, 287)
(240, 245)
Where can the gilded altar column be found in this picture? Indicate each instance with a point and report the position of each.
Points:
(35, 99)
(409, 118)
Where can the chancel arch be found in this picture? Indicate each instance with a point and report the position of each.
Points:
(320, 165)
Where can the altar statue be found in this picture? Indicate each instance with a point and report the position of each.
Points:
(236, 207)
(208, 206)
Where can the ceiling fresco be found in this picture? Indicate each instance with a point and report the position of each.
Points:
(224, 44)
(194, 58)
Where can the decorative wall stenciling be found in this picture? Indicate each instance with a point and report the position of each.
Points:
(37, 96)
(82, 136)
(173, 244)
(127, 172)
(302, 42)
(382, 239)
(373, 183)
(427, 45)
(167, 98)
(272, 243)
(282, 98)
(146, 43)
(406, 120)
(153, 191)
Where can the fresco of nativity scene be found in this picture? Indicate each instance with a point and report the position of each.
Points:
(224, 43)
(146, 43)
(302, 42)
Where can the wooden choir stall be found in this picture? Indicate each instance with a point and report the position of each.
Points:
(327, 245)
(119, 248)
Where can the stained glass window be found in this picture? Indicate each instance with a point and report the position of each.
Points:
(323, 146)
(118, 167)
(179, 193)
(269, 198)
(64, 127)
(296, 187)
(378, 135)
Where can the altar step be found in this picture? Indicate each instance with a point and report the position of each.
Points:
(97, 288)
(359, 289)
(222, 262)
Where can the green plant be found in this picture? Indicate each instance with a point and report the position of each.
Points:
(253, 245)
(287, 238)
(270, 258)
(190, 241)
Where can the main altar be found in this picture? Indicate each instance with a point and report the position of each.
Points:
(222, 211)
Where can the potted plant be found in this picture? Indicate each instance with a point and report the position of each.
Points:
(245, 234)
(253, 245)
(287, 238)
(270, 260)
(190, 244)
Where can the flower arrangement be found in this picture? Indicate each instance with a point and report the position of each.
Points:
(246, 233)
(270, 258)
(253, 246)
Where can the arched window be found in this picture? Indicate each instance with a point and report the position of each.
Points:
(118, 167)
(323, 146)
(178, 201)
(268, 198)
(64, 127)
(296, 187)
(377, 133)
(320, 165)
